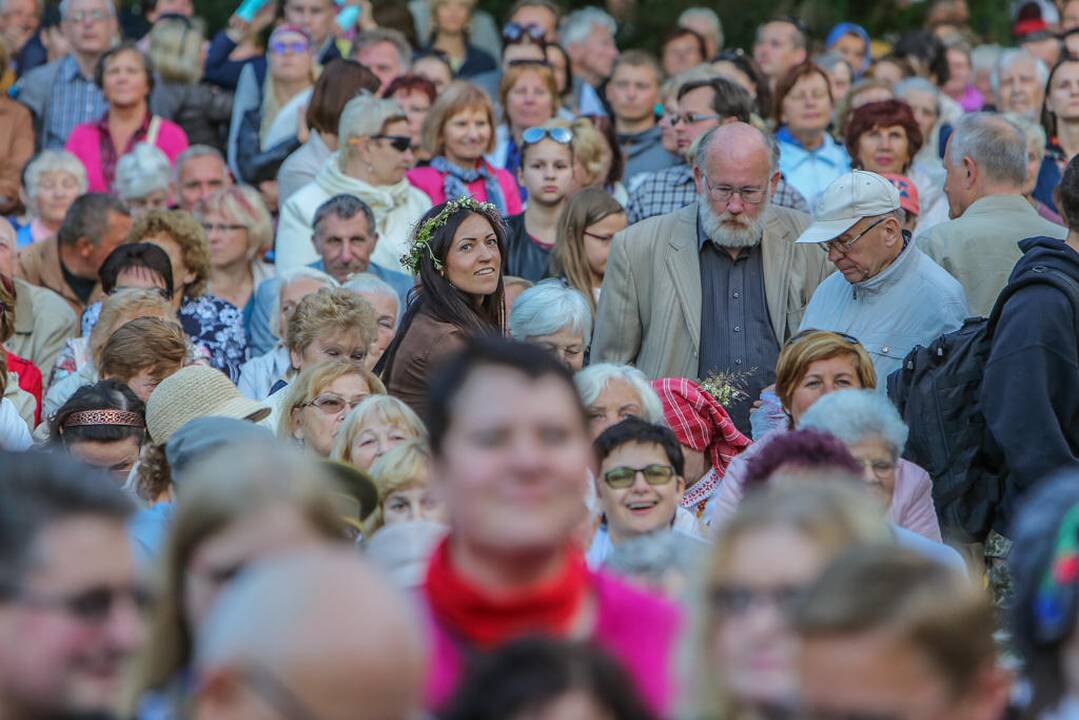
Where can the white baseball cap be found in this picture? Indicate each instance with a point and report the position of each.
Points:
(851, 197)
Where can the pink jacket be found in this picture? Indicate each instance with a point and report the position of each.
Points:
(638, 629)
(912, 501)
(85, 144)
(430, 181)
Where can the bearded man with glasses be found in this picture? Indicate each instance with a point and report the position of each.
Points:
(887, 293)
(717, 286)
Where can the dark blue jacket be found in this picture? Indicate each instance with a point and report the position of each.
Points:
(1030, 390)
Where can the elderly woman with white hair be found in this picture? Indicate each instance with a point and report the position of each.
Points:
(239, 231)
(387, 305)
(142, 179)
(555, 317)
(52, 181)
(258, 375)
(871, 428)
(611, 393)
(374, 152)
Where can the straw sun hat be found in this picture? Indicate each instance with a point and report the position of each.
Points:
(193, 392)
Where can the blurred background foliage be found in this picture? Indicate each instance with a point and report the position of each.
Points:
(650, 19)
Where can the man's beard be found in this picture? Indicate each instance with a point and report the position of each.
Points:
(732, 231)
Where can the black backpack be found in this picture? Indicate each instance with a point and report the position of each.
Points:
(938, 394)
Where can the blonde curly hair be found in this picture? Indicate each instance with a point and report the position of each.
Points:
(326, 312)
(180, 227)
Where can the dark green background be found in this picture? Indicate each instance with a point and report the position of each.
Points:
(740, 17)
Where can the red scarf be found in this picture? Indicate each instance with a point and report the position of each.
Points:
(486, 621)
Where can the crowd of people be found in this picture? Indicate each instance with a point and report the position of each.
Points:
(365, 360)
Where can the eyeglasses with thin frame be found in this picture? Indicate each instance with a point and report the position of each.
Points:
(689, 118)
(333, 404)
(400, 143)
(736, 600)
(91, 607)
(723, 193)
(845, 247)
(623, 476)
(210, 228)
(78, 17)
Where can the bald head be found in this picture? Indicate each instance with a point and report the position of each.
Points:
(736, 142)
(351, 654)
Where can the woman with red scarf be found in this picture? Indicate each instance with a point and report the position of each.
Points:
(510, 446)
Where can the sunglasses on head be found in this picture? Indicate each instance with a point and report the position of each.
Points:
(798, 336)
(400, 143)
(512, 32)
(561, 135)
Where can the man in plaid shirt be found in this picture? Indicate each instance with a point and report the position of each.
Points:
(703, 105)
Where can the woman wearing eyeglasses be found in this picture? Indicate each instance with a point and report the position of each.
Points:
(320, 399)
(546, 173)
(374, 153)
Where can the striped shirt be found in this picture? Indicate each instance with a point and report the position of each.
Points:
(74, 100)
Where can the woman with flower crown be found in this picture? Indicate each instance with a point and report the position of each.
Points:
(456, 254)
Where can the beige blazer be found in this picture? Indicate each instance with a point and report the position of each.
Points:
(43, 323)
(649, 312)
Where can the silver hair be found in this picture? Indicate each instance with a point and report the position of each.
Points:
(985, 57)
(193, 152)
(577, 26)
(1008, 57)
(917, 84)
(365, 115)
(345, 207)
(54, 161)
(828, 60)
(283, 280)
(367, 38)
(709, 16)
(651, 558)
(706, 140)
(996, 146)
(547, 308)
(857, 415)
(65, 6)
(593, 379)
(367, 283)
(142, 171)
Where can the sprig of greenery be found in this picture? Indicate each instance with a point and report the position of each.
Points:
(422, 241)
(727, 387)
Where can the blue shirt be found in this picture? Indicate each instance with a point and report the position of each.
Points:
(75, 100)
(811, 171)
(911, 302)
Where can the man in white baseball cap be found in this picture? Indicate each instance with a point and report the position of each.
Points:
(887, 293)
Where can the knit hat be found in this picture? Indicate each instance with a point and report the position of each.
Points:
(192, 392)
(699, 421)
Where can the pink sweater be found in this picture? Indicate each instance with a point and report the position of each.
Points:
(636, 628)
(430, 181)
(912, 500)
(85, 144)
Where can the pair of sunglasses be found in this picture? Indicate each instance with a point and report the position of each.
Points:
(400, 143)
(280, 48)
(512, 32)
(533, 135)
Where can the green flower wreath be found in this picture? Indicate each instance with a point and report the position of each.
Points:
(422, 242)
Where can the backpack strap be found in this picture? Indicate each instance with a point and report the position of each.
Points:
(1037, 275)
(155, 128)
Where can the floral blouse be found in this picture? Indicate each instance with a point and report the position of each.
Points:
(210, 322)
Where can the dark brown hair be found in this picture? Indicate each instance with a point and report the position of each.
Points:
(341, 80)
(788, 81)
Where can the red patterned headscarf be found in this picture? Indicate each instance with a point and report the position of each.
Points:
(699, 421)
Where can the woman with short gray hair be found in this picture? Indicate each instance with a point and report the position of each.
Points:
(258, 375)
(387, 304)
(374, 152)
(142, 180)
(556, 318)
(871, 428)
(52, 180)
(612, 392)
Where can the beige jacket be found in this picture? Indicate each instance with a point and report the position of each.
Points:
(39, 264)
(649, 311)
(980, 247)
(43, 322)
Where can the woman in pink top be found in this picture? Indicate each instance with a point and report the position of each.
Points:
(126, 78)
(813, 365)
(510, 444)
(458, 131)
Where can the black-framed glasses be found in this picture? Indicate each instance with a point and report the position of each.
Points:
(533, 135)
(400, 143)
(92, 606)
(513, 32)
(723, 193)
(689, 118)
(846, 247)
(735, 599)
(624, 476)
